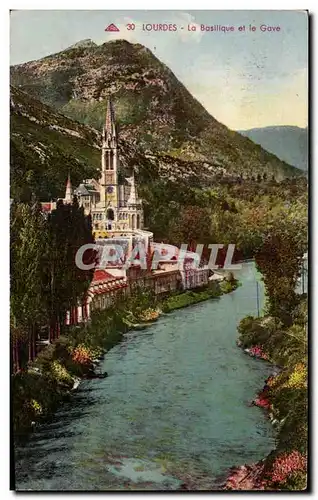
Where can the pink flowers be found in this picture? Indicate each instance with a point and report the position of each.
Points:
(262, 402)
(257, 352)
(286, 464)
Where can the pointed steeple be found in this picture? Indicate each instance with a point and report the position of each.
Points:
(110, 128)
(69, 190)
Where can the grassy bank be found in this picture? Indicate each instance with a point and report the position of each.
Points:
(38, 390)
(191, 297)
(284, 396)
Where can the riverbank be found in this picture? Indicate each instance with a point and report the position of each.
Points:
(50, 379)
(191, 297)
(284, 398)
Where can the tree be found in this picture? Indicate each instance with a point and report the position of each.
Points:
(192, 227)
(279, 259)
(28, 248)
(45, 281)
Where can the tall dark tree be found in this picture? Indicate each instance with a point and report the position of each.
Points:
(45, 281)
(279, 259)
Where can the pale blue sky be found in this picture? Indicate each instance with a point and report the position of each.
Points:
(244, 79)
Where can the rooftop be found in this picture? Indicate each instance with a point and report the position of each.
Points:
(102, 275)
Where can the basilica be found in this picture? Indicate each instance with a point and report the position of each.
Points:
(112, 206)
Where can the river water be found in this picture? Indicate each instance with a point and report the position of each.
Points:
(174, 408)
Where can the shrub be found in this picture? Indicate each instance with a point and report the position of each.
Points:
(286, 465)
(252, 332)
(61, 374)
(296, 481)
(36, 407)
(82, 355)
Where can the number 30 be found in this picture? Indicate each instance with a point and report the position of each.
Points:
(131, 27)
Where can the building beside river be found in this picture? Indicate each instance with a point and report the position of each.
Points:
(117, 217)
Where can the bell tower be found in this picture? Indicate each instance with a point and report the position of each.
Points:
(109, 177)
(134, 206)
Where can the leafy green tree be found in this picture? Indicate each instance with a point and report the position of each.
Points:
(28, 248)
(279, 259)
(45, 281)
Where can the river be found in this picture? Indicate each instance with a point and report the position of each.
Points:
(174, 408)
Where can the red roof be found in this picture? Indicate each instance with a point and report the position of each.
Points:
(102, 275)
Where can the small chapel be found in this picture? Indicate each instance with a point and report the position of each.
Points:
(112, 206)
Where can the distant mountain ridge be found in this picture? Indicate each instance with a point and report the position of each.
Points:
(155, 112)
(288, 143)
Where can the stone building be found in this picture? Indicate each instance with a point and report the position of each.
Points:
(113, 206)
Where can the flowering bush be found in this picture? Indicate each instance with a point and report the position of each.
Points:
(293, 378)
(298, 378)
(149, 315)
(257, 352)
(96, 352)
(61, 373)
(82, 355)
(271, 381)
(287, 464)
(262, 402)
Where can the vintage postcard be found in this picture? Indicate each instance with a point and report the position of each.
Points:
(159, 250)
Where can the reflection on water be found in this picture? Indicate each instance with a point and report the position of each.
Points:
(175, 405)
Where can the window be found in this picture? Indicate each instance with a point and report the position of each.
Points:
(110, 214)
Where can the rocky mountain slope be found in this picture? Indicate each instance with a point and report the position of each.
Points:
(160, 123)
(288, 143)
(45, 146)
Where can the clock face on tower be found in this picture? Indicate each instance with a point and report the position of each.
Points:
(110, 189)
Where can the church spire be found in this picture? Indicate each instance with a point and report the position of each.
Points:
(69, 190)
(110, 129)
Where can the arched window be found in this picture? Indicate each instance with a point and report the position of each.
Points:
(138, 221)
(133, 221)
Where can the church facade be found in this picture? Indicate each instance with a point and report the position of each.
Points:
(112, 206)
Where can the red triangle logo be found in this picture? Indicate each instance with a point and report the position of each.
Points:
(112, 27)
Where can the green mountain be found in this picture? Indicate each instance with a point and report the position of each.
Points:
(163, 128)
(45, 146)
(288, 143)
